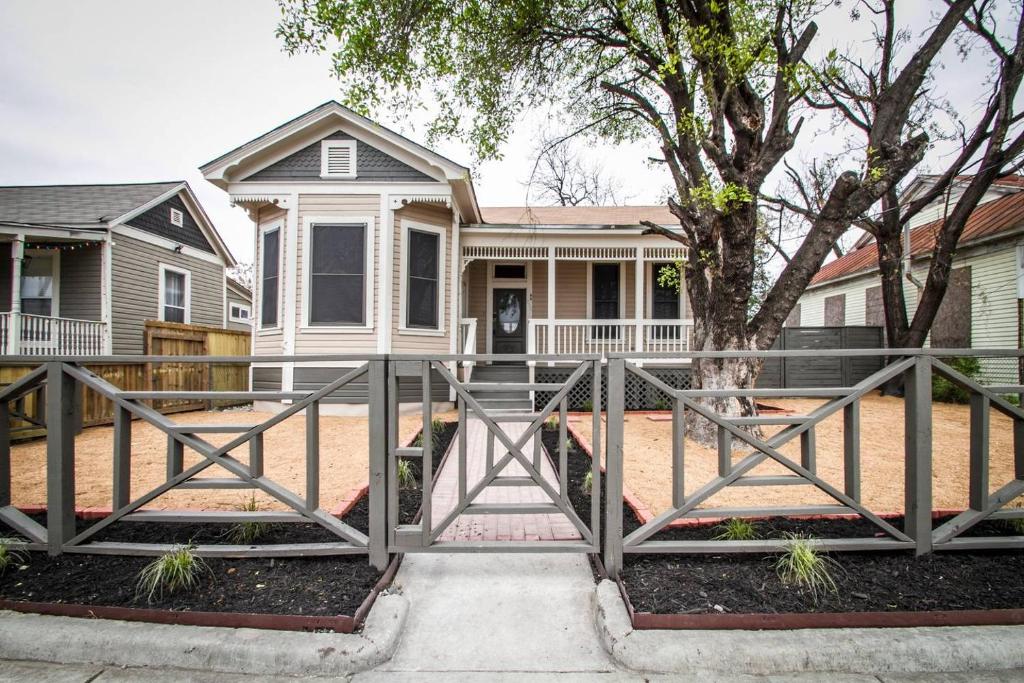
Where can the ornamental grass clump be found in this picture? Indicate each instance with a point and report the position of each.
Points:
(177, 569)
(801, 565)
(246, 533)
(10, 554)
(588, 483)
(736, 529)
(1016, 525)
(406, 478)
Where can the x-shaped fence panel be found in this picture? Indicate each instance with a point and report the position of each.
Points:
(426, 535)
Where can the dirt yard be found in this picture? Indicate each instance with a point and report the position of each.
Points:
(343, 462)
(648, 458)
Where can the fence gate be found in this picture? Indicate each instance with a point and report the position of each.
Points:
(489, 452)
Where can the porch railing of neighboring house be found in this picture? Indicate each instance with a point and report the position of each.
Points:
(40, 335)
(582, 336)
(467, 340)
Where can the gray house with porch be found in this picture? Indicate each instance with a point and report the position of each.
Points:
(82, 267)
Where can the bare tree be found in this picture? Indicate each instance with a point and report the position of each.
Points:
(562, 177)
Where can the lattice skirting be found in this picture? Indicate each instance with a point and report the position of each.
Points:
(639, 394)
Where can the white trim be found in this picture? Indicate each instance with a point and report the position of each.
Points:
(456, 299)
(1020, 271)
(224, 295)
(241, 307)
(278, 188)
(403, 272)
(508, 283)
(54, 255)
(369, 223)
(325, 148)
(164, 243)
(106, 294)
(164, 269)
(276, 224)
(387, 283)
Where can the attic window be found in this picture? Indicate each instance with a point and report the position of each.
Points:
(338, 159)
(177, 218)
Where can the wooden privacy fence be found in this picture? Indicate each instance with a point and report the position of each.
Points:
(386, 534)
(160, 339)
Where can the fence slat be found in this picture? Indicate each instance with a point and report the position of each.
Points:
(60, 457)
(613, 466)
(313, 456)
(379, 458)
(851, 450)
(122, 457)
(917, 446)
(978, 487)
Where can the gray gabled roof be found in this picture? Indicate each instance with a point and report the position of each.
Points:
(75, 206)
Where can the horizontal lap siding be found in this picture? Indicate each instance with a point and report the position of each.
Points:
(136, 290)
(414, 343)
(268, 342)
(6, 252)
(571, 298)
(81, 277)
(539, 287)
(340, 207)
(266, 379)
(355, 392)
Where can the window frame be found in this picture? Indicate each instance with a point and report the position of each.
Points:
(652, 279)
(403, 301)
(369, 224)
(167, 268)
(272, 226)
(325, 147)
(241, 307)
(54, 255)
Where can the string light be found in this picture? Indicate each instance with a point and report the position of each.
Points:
(63, 246)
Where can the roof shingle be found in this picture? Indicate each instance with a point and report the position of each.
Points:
(75, 206)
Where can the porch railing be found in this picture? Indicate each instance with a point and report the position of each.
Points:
(467, 340)
(582, 336)
(40, 335)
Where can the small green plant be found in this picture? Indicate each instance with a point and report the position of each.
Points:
(1015, 525)
(588, 406)
(588, 483)
(945, 391)
(10, 554)
(175, 570)
(551, 423)
(736, 529)
(801, 565)
(406, 478)
(661, 404)
(437, 426)
(246, 533)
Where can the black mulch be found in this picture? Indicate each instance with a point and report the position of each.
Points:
(410, 499)
(318, 586)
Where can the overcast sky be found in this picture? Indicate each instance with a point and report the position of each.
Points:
(123, 91)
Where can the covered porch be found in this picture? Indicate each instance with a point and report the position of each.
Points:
(573, 297)
(51, 292)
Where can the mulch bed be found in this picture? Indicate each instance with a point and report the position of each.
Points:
(310, 586)
(741, 584)
(410, 499)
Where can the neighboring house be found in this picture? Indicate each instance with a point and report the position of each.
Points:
(239, 306)
(981, 308)
(366, 243)
(82, 267)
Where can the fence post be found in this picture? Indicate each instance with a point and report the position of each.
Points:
(5, 454)
(613, 465)
(917, 415)
(378, 429)
(60, 457)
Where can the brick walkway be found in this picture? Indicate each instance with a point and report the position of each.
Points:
(534, 527)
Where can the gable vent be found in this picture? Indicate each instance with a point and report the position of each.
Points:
(177, 218)
(338, 159)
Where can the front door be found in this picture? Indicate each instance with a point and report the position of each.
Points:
(508, 321)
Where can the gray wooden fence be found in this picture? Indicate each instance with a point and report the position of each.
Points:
(823, 369)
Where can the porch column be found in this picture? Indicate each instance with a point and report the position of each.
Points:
(550, 345)
(17, 258)
(638, 301)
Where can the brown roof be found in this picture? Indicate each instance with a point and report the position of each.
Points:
(988, 219)
(577, 215)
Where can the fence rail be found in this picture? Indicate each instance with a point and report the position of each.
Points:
(62, 377)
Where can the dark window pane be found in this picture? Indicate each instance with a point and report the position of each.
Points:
(510, 272)
(173, 314)
(336, 299)
(269, 286)
(37, 306)
(421, 285)
(338, 249)
(423, 257)
(423, 303)
(605, 304)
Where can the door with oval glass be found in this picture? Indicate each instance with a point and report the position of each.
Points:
(508, 321)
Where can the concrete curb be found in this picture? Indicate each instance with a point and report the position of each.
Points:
(68, 640)
(850, 650)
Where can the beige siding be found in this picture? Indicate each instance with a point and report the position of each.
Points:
(268, 342)
(571, 279)
(476, 305)
(539, 286)
(136, 290)
(313, 341)
(405, 342)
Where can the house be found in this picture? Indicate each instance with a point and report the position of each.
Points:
(238, 313)
(981, 308)
(367, 242)
(82, 267)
